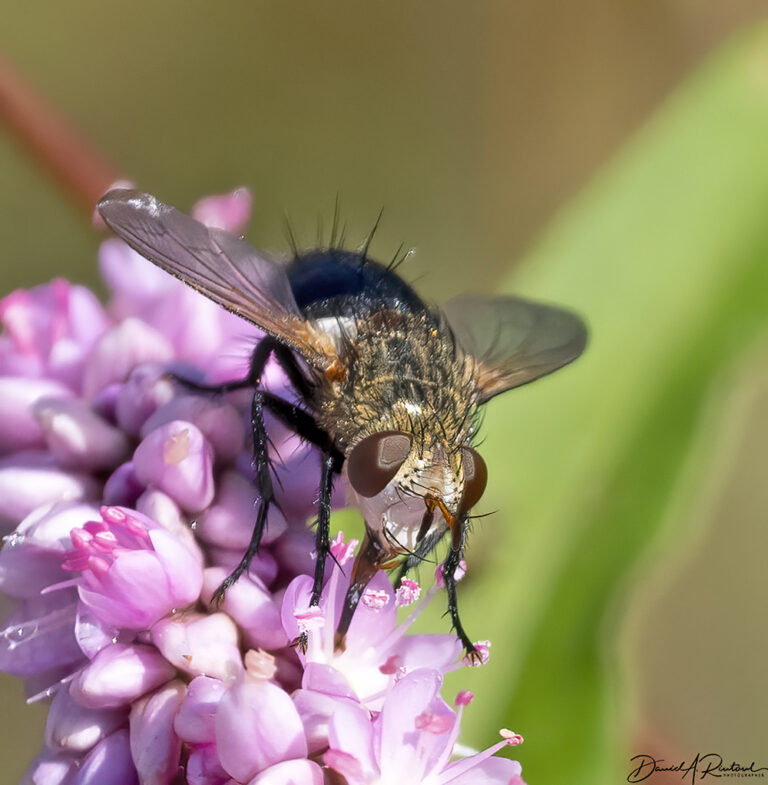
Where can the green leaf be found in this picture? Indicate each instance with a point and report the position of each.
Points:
(666, 255)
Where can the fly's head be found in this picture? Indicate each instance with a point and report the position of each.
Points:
(409, 486)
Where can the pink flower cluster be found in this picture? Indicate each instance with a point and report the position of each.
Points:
(125, 500)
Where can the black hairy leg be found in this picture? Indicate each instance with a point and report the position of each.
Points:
(300, 422)
(330, 466)
(265, 348)
(303, 424)
(450, 565)
(323, 535)
(264, 490)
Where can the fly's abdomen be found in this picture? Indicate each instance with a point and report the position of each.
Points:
(333, 282)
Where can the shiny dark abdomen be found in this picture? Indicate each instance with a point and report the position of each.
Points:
(335, 283)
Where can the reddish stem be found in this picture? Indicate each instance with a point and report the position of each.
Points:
(62, 151)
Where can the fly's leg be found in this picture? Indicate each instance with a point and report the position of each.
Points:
(261, 463)
(450, 565)
(265, 494)
(210, 389)
(417, 556)
(426, 541)
(322, 536)
(259, 358)
(302, 423)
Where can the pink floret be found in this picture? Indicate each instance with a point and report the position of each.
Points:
(127, 499)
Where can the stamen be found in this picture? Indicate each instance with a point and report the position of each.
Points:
(512, 738)
(76, 561)
(483, 648)
(104, 542)
(136, 528)
(310, 618)
(26, 631)
(80, 539)
(342, 551)
(94, 527)
(461, 571)
(391, 665)
(260, 664)
(113, 514)
(98, 566)
(49, 692)
(407, 593)
(176, 447)
(464, 698)
(437, 724)
(401, 629)
(73, 583)
(375, 599)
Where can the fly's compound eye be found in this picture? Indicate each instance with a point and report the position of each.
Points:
(375, 461)
(475, 477)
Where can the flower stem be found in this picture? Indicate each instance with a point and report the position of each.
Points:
(49, 138)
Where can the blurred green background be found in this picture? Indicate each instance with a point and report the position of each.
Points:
(607, 155)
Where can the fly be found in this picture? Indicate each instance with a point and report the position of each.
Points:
(389, 387)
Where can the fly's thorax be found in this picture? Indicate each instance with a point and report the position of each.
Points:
(403, 374)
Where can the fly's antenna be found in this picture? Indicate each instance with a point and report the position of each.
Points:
(367, 243)
(290, 236)
(334, 223)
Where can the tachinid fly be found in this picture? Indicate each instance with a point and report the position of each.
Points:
(389, 387)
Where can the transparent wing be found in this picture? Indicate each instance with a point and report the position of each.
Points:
(513, 340)
(215, 263)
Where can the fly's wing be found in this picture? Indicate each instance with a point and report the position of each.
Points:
(513, 341)
(215, 263)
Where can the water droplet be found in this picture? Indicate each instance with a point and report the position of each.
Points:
(21, 633)
(27, 630)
